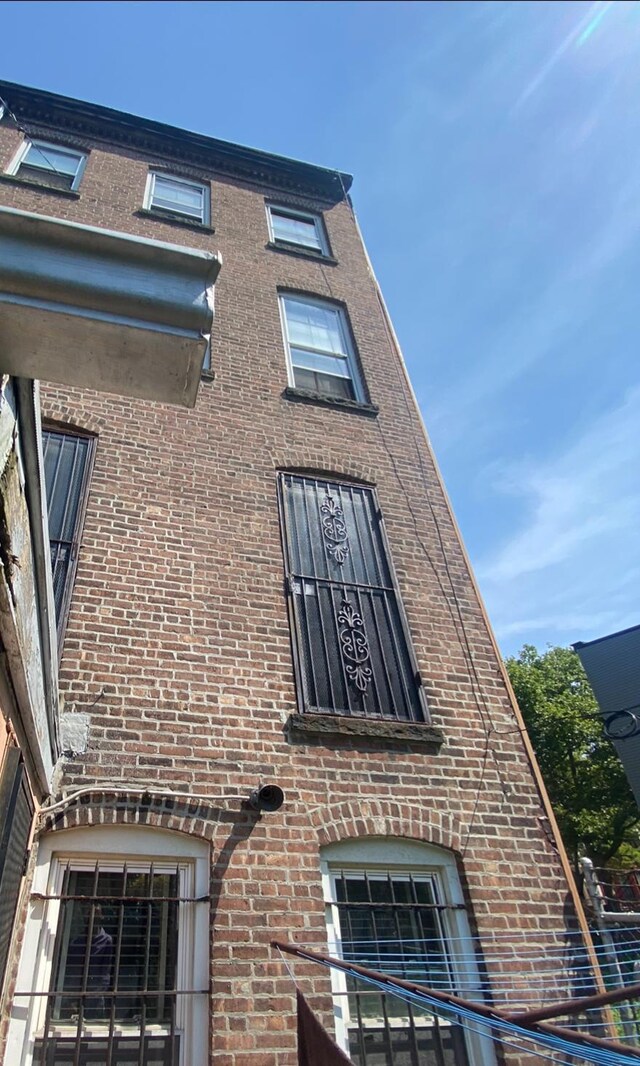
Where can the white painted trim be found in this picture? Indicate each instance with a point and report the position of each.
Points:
(149, 205)
(348, 353)
(399, 856)
(304, 216)
(113, 845)
(18, 159)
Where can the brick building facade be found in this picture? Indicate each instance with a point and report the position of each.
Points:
(270, 590)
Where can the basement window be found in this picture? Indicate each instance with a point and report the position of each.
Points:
(48, 164)
(397, 906)
(114, 968)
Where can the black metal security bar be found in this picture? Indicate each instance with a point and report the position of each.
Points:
(113, 996)
(394, 924)
(67, 461)
(352, 644)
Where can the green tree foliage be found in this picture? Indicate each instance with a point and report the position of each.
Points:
(587, 785)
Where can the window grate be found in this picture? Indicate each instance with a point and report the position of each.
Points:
(67, 460)
(394, 923)
(352, 651)
(113, 996)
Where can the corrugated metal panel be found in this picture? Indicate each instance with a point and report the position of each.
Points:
(612, 665)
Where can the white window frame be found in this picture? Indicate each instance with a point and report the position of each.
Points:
(19, 158)
(149, 205)
(113, 846)
(348, 352)
(398, 857)
(305, 216)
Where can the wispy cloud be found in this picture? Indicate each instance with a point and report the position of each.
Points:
(572, 569)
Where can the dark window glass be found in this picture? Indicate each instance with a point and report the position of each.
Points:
(16, 812)
(352, 650)
(393, 923)
(66, 470)
(112, 997)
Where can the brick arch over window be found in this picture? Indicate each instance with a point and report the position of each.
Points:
(58, 416)
(182, 816)
(329, 464)
(380, 818)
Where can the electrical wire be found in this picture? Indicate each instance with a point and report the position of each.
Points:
(22, 128)
(457, 616)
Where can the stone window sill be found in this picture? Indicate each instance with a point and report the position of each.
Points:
(319, 398)
(301, 253)
(39, 186)
(174, 220)
(330, 729)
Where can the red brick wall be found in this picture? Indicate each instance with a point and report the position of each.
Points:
(179, 617)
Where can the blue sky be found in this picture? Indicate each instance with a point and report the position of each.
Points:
(496, 154)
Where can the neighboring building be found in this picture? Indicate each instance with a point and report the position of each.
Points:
(612, 664)
(267, 589)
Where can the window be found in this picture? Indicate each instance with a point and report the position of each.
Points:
(177, 196)
(67, 466)
(397, 906)
(16, 813)
(352, 651)
(320, 350)
(299, 228)
(115, 964)
(49, 164)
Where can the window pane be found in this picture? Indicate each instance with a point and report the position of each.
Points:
(383, 928)
(174, 195)
(326, 364)
(295, 230)
(323, 384)
(56, 159)
(313, 326)
(119, 940)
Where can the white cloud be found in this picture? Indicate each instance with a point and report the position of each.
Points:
(572, 569)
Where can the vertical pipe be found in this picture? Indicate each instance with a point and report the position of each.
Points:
(594, 891)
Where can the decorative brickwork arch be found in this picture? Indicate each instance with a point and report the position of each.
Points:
(195, 818)
(331, 464)
(384, 818)
(59, 416)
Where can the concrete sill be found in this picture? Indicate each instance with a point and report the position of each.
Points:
(301, 253)
(307, 396)
(174, 220)
(39, 186)
(381, 733)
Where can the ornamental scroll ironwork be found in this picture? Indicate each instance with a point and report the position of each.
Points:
(334, 529)
(354, 645)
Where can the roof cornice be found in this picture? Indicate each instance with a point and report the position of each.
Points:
(92, 121)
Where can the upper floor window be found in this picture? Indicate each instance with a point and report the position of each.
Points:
(320, 349)
(353, 655)
(298, 228)
(177, 196)
(67, 466)
(49, 163)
